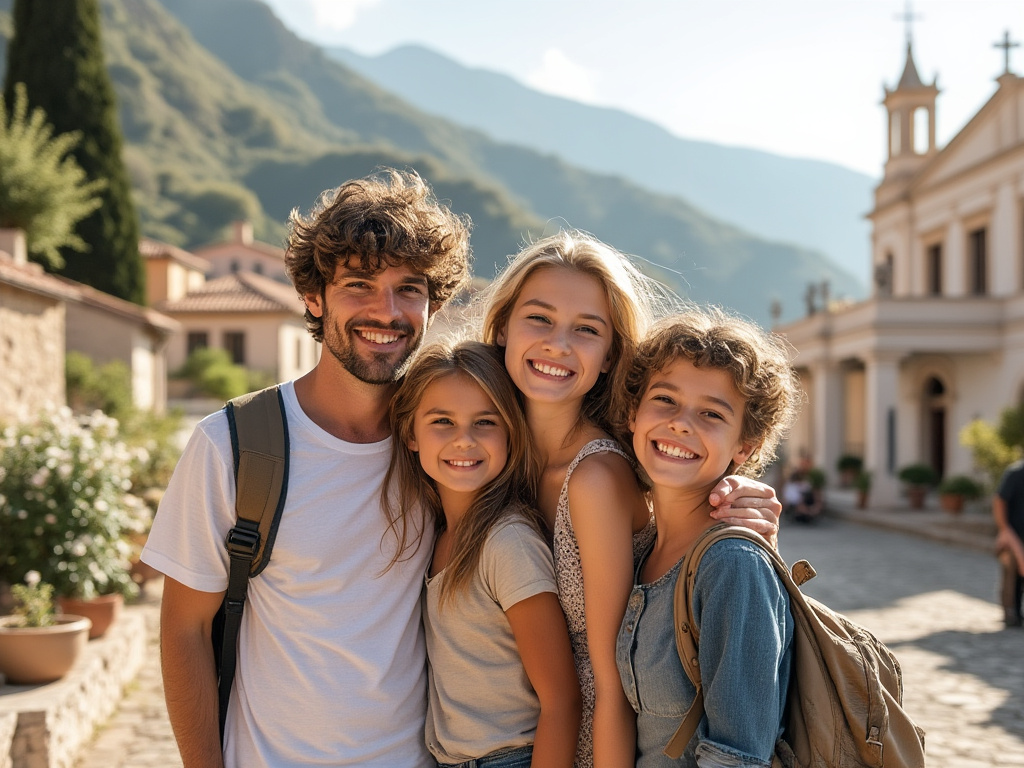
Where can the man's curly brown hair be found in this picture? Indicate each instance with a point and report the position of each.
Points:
(390, 218)
(757, 361)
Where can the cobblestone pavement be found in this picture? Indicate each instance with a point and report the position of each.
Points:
(934, 604)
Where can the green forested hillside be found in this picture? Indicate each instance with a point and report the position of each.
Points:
(226, 114)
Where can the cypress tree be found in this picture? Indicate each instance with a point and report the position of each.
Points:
(57, 52)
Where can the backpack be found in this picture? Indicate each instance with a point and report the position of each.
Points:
(259, 446)
(844, 706)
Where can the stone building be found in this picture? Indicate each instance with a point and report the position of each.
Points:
(42, 317)
(940, 341)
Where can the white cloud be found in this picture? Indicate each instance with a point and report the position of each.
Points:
(337, 15)
(561, 76)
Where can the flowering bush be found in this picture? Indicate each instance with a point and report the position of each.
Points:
(65, 505)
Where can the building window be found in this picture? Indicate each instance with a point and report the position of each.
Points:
(235, 266)
(234, 343)
(978, 277)
(197, 340)
(935, 269)
(258, 267)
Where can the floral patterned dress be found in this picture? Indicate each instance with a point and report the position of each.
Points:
(569, 576)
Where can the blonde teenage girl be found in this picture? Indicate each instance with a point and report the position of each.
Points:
(709, 395)
(502, 685)
(567, 313)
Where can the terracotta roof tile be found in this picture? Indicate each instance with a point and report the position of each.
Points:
(31, 277)
(239, 292)
(86, 294)
(154, 249)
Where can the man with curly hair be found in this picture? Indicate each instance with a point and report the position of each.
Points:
(331, 667)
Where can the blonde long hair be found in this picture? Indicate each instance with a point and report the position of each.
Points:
(633, 298)
(408, 490)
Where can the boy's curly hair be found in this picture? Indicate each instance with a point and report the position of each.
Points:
(390, 218)
(758, 362)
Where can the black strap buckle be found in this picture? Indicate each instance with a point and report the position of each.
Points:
(243, 543)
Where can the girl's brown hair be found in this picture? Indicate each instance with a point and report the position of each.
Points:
(758, 362)
(408, 490)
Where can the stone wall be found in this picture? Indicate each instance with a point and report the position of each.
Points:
(55, 721)
(31, 352)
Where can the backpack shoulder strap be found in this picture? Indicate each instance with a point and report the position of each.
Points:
(687, 634)
(259, 445)
(259, 442)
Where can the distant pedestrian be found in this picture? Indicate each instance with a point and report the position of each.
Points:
(1008, 510)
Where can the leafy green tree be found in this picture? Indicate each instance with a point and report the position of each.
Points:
(57, 52)
(990, 452)
(42, 189)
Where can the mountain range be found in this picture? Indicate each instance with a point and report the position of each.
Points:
(811, 203)
(227, 115)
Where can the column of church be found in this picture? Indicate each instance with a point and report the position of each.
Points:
(955, 269)
(827, 417)
(1005, 268)
(880, 454)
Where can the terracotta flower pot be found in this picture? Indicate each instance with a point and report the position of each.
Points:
(33, 655)
(102, 611)
(916, 495)
(952, 502)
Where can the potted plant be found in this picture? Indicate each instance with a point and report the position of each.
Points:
(956, 489)
(862, 482)
(918, 478)
(849, 466)
(67, 510)
(37, 646)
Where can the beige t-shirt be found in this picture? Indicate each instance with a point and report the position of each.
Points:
(480, 699)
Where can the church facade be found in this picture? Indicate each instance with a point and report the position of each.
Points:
(940, 342)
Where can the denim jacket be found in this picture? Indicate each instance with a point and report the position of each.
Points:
(741, 610)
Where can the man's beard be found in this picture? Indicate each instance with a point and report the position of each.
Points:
(381, 367)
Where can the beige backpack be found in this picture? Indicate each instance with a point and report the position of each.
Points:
(844, 707)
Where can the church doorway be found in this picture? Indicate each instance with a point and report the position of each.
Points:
(935, 424)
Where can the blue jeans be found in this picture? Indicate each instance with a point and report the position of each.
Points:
(514, 757)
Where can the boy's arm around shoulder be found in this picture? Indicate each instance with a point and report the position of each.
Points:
(605, 504)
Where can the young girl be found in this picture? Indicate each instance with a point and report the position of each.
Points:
(567, 313)
(709, 395)
(502, 685)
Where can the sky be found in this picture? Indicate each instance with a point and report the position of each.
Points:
(802, 78)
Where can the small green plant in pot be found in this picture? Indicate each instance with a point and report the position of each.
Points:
(956, 489)
(863, 485)
(848, 466)
(37, 646)
(918, 479)
(65, 504)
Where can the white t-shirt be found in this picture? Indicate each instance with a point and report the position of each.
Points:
(331, 664)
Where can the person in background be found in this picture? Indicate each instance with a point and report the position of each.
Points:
(1008, 511)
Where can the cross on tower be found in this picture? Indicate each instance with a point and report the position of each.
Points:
(907, 17)
(1006, 45)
